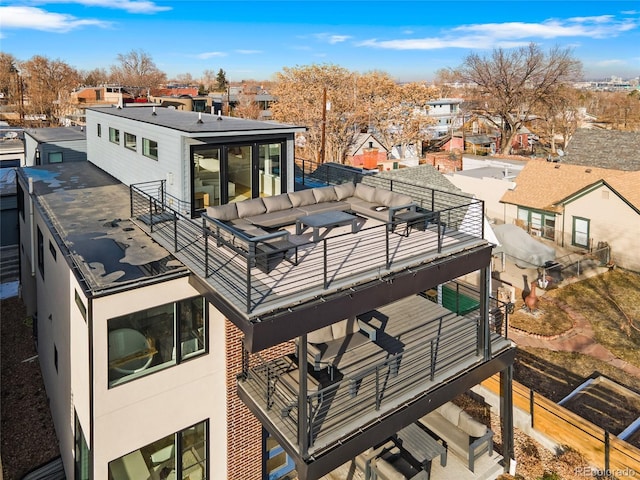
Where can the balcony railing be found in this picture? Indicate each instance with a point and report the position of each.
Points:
(257, 278)
(415, 357)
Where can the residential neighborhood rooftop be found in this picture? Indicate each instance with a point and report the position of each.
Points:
(57, 134)
(612, 149)
(544, 185)
(187, 122)
(86, 207)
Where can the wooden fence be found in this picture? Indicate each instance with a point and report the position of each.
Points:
(601, 449)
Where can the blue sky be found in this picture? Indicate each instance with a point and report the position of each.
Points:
(410, 40)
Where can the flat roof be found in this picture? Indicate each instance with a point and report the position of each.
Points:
(56, 134)
(89, 210)
(190, 121)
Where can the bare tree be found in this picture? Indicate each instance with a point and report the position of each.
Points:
(49, 84)
(511, 85)
(137, 71)
(247, 107)
(184, 78)
(208, 80)
(9, 71)
(300, 94)
(95, 77)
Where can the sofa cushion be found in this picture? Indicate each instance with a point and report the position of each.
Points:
(398, 199)
(277, 202)
(345, 327)
(344, 190)
(322, 335)
(325, 194)
(383, 197)
(248, 208)
(302, 198)
(451, 412)
(365, 192)
(471, 426)
(223, 212)
(325, 207)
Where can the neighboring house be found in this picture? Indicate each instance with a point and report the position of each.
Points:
(611, 149)
(366, 151)
(170, 349)
(578, 206)
(44, 146)
(188, 103)
(105, 94)
(487, 179)
(446, 114)
(11, 148)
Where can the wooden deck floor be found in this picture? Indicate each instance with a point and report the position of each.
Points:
(351, 258)
(360, 393)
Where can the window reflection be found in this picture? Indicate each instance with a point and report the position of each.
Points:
(144, 342)
(239, 168)
(270, 169)
(158, 459)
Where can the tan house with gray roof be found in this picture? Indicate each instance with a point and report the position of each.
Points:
(578, 206)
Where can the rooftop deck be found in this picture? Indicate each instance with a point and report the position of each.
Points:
(420, 346)
(231, 267)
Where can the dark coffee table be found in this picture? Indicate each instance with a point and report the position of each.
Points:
(326, 220)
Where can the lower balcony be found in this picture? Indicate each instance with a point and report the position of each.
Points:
(420, 355)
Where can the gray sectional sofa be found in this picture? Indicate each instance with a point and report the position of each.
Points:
(253, 217)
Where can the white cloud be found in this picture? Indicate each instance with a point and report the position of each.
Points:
(248, 52)
(38, 19)
(511, 34)
(131, 6)
(206, 55)
(331, 38)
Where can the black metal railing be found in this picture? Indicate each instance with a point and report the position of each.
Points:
(250, 270)
(432, 354)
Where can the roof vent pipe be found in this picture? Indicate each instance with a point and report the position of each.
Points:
(199, 117)
(219, 114)
(154, 111)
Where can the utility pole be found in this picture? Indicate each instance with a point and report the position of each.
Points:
(324, 121)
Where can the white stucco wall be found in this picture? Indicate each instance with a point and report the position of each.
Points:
(611, 220)
(134, 414)
(489, 190)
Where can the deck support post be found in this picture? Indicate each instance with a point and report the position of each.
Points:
(484, 334)
(303, 417)
(506, 415)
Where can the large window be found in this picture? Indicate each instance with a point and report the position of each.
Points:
(81, 467)
(150, 148)
(114, 135)
(145, 342)
(130, 141)
(181, 455)
(269, 158)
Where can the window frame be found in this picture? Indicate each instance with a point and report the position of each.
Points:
(40, 251)
(114, 135)
(52, 155)
(574, 241)
(147, 148)
(128, 144)
(187, 329)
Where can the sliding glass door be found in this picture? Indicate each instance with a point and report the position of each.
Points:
(240, 173)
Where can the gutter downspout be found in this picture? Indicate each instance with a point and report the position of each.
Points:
(32, 231)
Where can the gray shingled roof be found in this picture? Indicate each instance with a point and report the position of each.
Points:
(611, 149)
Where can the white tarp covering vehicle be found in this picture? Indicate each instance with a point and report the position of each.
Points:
(522, 248)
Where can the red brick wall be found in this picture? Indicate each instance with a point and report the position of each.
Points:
(244, 431)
